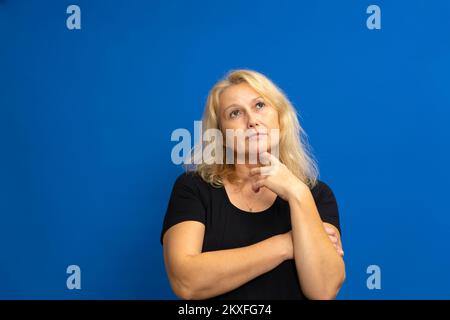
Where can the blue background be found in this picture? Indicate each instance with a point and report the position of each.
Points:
(86, 117)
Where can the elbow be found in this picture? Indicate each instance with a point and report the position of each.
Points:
(184, 288)
(323, 296)
(184, 293)
(331, 292)
(328, 291)
(180, 279)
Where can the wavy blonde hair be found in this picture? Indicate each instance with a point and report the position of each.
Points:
(294, 151)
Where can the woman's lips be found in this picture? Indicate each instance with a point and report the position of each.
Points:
(257, 135)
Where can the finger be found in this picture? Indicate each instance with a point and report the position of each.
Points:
(255, 188)
(268, 170)
(256, 185)
(267, 158)
(339, 250)
(255, 171)
(330, 231)
(271, 164)
(333, 239)
(262, 171)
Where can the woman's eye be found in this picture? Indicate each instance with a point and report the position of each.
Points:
(234, 113)
(260, 105)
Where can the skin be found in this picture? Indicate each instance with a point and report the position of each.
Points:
(315, 246)
(320, 267)
(242, 108)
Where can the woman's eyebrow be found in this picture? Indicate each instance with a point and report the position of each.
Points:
(236, 105)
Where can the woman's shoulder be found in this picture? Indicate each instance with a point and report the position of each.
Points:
(321, 190)
(188, 177)
(191, 179)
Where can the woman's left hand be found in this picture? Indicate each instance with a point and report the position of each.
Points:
(277, 177)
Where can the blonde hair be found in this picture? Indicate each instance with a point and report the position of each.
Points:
(294, 150)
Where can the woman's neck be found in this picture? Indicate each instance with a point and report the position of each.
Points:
(242, 175)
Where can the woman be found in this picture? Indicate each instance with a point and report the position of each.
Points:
(253, 230)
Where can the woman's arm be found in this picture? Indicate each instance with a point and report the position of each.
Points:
(320, 268)
(319, 264)
(196, 275)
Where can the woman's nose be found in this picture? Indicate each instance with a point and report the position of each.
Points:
(252, 121)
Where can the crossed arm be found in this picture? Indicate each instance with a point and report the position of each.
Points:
(196, 275)
(320, 266)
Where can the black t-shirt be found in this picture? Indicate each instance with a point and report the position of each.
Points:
(227, 226)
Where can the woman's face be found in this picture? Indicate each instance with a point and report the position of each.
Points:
(242, 108)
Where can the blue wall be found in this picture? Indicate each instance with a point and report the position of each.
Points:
(86, 117)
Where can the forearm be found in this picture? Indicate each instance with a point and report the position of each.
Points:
(216, 272)
(320, 269)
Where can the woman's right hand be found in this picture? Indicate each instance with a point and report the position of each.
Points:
(334, 237)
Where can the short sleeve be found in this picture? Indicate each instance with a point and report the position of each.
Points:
(326, 204)
(184, 204)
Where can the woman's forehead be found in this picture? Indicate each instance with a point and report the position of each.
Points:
(240, 94)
